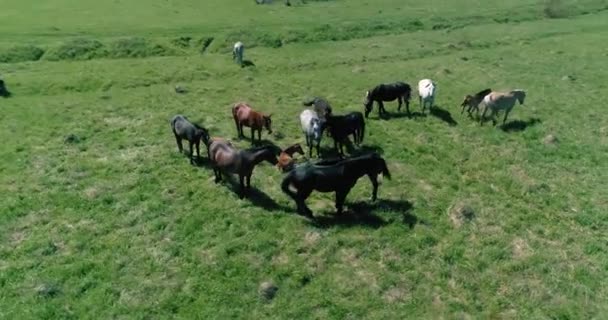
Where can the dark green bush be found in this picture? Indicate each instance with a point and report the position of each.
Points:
(76, 49)
(20, 53)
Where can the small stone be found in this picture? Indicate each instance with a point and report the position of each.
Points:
(180, 89)
(267, 290)
(550, 139)
(568, 77)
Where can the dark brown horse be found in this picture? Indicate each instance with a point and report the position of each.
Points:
(244, 115)
(387, 92)
(471, 102)
(228, 159)
(286, 161)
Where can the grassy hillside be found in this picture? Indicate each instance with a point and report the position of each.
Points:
(100, 217)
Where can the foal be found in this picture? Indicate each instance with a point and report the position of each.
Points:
(244, 115)
(496, 101)
(387, 92)
(340, 127)
(286, 161)
(225, 157)
(473, 101)
(184, 129)
(237, 52)
(339, 177)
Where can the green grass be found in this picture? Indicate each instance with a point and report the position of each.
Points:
(117, 224)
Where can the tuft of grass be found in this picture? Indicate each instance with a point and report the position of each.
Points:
(21, 53)
(137, 47)
(555, 9)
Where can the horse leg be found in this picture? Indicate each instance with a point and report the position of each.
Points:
(242, 185)
(260, 135)
(400, 100)
(178, 140)
(381, 109)
(493, 116)
(248, 180)
(302, 195)
(374, 180)
(421, 105)
(483, 115)
(191, 153)
(198, 150)
(340, 198)
(506, 115)
(318, 149)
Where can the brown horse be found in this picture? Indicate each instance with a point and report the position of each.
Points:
(244, 115)
(225, 157)
(286, 161)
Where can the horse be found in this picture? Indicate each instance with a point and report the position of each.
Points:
(3, 91)
(237, 52)
(312, 127)
(341, 126)
(473, 101)
(321, 106)
(426, 93)
(244, 115)
(339, 177)
(496, 101)
(286, 161)
(225, 157)
(387, 92)
(184, 129)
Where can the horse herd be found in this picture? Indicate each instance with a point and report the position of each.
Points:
(337, 175)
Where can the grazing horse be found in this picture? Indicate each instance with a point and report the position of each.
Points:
(312, 127)
(3, 91)
(286, 161)
(237, 52)
(225, 157)
(321, 106)
(387, 92)
(426, 93)
(184, 129)
(340, 127)
(339, 177)
(473, 101)
(496, 101)
(244, 115)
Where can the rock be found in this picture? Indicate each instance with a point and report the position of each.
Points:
(550, 139)
(461, 214)
(568, 77)
(267, 290)
(47, 290)
(180, 89)
(71, 138)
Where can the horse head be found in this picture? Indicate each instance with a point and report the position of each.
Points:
(520, 95)
(467, 100)
(368, 104)
(268, 123)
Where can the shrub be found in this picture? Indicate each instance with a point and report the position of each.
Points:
(136, 48)
(76, 49)
(21, 53)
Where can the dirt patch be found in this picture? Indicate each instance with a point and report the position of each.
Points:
(460, 214)
(521, 249)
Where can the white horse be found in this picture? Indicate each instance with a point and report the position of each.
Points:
(497, 101)
(237, 52)
(426, 93)
(312, 129)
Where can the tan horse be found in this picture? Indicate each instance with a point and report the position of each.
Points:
(497, 101)
(286, 161)
(244, 115)
(226, 157)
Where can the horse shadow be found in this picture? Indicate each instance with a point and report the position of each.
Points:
(254, 195)
(519, 125)
(203, 162)
(247, 64)
(401, 114)
(444, 115)
(361, 214)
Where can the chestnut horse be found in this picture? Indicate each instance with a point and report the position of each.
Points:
(244, 115)
(286, 161)
(226, 157)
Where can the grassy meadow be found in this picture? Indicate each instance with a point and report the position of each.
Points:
(101, 217)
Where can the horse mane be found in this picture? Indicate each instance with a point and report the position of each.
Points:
(483, 93)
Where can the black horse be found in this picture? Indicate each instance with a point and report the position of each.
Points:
(388, 92)
(184, 129)
(339, 177)
(340, 127)
(321, 106)
(3, 91)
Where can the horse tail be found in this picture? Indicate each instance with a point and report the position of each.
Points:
(362, 132)
(309, 102)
